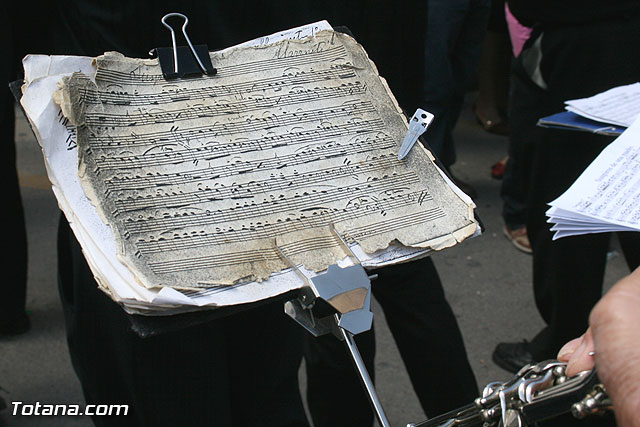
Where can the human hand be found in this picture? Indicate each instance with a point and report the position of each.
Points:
(614, 336)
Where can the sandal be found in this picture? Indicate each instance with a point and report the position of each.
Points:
(519, 238)
(498, 126)
(497, 169)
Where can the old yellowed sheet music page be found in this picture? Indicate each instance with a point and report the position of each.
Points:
(209, 180)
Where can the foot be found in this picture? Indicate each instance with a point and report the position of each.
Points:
(497, 169)
(15, 326)
(519, 238)
(491, 122)
(512, 356)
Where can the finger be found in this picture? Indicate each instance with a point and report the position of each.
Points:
(569, 348)
(582, 358)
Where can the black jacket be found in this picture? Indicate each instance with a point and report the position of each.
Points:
(571, 12)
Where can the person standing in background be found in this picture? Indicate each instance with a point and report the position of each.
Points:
(19, 37)
(455, 30)
(577, 48)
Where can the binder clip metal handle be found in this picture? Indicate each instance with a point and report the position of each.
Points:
(417, 126)
(194, 60)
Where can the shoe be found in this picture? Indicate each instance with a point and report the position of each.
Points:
(15, 326)
(464, 186)
(519, 238)
(499, 126)
(512, 356)
(497, 170)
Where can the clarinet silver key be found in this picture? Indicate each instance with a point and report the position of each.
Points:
(538, 392)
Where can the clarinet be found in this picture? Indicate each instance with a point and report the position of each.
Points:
(538, 392)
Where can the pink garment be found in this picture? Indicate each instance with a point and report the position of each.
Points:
(519, 33)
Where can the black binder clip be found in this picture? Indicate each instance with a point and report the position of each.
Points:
(182, 61)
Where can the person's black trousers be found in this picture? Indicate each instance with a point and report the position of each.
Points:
(577, 62)
(238, 370)
(14, 287)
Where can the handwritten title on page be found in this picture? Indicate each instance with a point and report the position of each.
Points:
(205, 181)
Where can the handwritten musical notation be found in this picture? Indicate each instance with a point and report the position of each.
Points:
(200, 178)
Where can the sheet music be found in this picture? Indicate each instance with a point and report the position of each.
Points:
(618, 106)
(606, 197)
(297, 33)
(204, 179)
(57, 138)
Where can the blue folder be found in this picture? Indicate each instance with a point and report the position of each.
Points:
(571, 121)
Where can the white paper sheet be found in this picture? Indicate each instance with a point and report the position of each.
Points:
(606, 197)
(619, 106)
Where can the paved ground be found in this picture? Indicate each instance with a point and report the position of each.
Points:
(487, 282)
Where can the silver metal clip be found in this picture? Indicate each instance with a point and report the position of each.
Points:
(417, 126)
(186, 37)
(339, 302)
(182, 61)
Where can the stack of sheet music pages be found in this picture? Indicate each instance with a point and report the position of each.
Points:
(206, 191)
(606, 113)
(606, 196)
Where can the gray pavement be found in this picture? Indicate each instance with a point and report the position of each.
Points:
(487, 281)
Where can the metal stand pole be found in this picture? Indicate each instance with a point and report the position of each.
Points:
(366, 379)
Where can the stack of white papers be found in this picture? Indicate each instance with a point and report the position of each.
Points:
(618, 106)
(606, 197)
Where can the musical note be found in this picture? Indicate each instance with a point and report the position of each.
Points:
(203, 173)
